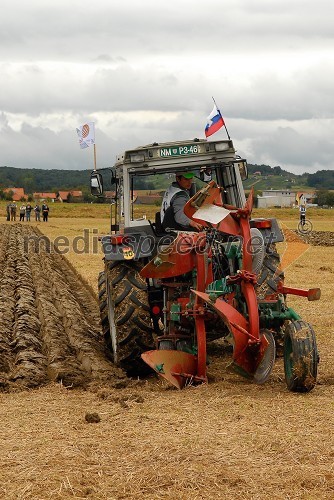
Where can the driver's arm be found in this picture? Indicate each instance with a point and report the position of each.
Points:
(178, 203)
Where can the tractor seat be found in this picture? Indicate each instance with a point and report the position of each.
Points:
(156, 226)
(157, 222)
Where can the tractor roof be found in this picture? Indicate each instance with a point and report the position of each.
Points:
(186, 154)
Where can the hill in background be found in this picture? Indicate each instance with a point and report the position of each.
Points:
(40, 180)
(262, 177)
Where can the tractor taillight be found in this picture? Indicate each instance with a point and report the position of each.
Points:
(118, 239)
(261, 223)
(156, 310)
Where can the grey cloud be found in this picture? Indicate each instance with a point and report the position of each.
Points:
(288, 147)
(301, 95)
(82, 31)
(167, 62)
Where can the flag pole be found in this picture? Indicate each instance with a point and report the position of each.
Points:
(95, 157)
(228, 135)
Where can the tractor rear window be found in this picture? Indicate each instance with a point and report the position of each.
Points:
(147, 192)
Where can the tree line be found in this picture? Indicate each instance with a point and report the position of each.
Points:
(40, 180)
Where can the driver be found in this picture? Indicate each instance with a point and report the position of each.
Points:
(173, 202)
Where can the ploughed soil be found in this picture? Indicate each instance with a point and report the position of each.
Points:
(49, 317)
(317, 238)
(82, 430)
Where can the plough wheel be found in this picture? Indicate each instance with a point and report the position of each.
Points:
(300, 357)
(266, 365)
(125, 315)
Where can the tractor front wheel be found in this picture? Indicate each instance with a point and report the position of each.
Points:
(300, 357)
(125, 315)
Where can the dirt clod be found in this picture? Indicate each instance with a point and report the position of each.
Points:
(92, 418)
(121, 384)
(326, 268)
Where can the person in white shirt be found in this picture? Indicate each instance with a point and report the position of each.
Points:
(171, 213)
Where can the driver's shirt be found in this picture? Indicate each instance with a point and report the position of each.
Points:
(171, 212)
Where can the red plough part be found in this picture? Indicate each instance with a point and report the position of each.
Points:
(190, 251)
(178, 367)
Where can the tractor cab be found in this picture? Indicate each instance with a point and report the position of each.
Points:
(140, 177)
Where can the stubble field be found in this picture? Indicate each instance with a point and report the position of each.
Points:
(227, 439)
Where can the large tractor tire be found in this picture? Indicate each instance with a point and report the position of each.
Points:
(125, 315)
(300, 357)
(270, 273)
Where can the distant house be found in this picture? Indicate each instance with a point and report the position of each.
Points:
(276, 198)
(303, 198)
(257, 173)
(65, 196)
(18, 193)
(44, 196)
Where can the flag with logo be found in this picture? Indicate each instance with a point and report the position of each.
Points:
(215, 122)
(86, 134)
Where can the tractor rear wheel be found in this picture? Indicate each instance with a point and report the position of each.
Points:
(125, 315)
(270, 273)
(300, 357)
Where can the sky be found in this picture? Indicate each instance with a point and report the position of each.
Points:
(145, 71)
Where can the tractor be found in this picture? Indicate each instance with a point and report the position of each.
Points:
(165, 294)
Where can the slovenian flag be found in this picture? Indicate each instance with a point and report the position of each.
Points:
(215, 122)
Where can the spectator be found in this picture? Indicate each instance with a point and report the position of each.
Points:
(45, 212)
(302, 211)
(22, 212)
(37, 211)
(13, 211)
(8, 211)
(28, 212)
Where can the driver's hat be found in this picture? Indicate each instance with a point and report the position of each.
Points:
(186, 175)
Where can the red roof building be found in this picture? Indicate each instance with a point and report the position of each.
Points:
(18, 193)
(65, 195)
(44, 196)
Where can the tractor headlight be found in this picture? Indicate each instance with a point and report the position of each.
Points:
(137, 158)
(222, 146)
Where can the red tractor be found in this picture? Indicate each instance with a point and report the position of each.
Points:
(164, 294)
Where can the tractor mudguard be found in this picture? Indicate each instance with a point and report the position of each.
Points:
(131, 246)
(271, 234)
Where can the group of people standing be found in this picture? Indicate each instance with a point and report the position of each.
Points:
(25, 212)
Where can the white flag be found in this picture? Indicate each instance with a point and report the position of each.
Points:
(86, 134)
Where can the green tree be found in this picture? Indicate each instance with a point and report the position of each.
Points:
(330, 199)
(321, 179)
(321, 197)
(9, 195)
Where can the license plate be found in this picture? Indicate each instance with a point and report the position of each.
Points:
(191, 149)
